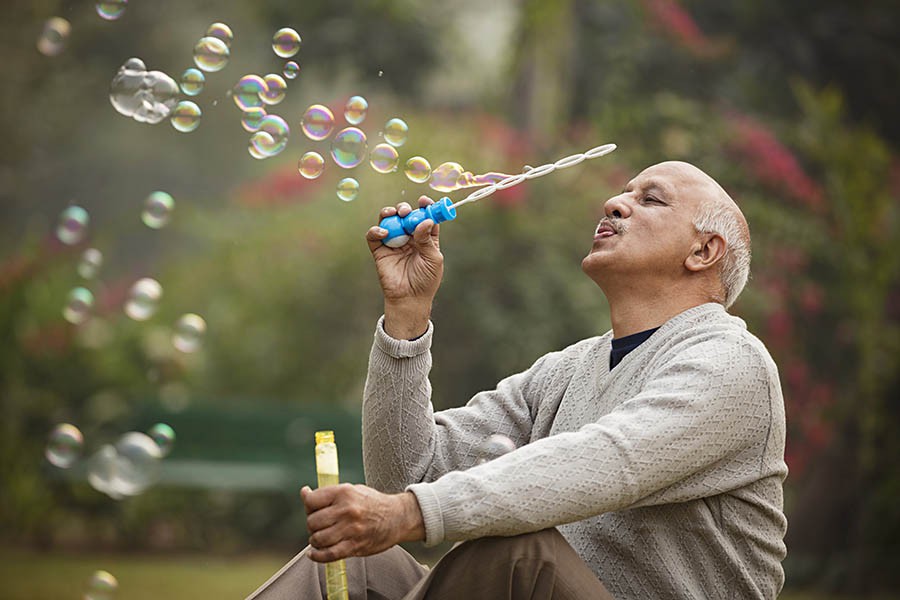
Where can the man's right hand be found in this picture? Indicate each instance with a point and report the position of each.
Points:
(410, 275)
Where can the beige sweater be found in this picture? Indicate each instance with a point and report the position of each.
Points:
(665, 474)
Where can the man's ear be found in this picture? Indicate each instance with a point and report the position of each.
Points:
(708, 250)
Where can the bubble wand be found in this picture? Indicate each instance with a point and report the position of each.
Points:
(400, 229)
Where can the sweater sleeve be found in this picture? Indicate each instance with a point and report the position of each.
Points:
(405, 441)
(694, 430)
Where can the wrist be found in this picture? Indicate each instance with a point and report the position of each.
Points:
(413, 524)
(406, 319)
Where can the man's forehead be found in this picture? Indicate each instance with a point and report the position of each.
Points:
(670, 177)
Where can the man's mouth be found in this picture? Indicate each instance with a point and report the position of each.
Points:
(605, 229)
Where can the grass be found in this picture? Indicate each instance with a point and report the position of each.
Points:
(29, 575)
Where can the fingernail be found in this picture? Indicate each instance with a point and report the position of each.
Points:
(381, 231)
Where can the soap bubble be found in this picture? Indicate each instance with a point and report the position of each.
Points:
(247, 92)
(143, 299)
(146, 96)
(395, 132)
(64, 446)
(111, 9)
(276, 89)
(260, 140)
(384, 158)
(72, 225)
(192, 81)
(496, 445)
(211, 54)
(347, 189)
(417, 169)
(272, 136)
(348, 148)
(101, 586)
(221, 31)
(317, 122)
(355, 110)
(164, 436)
(78, 306)
(311, 165)
(189, 332)
(91, 261)
(252, 117)
(286, 42)
(53, 37)
(127, 468)
(446, 176)
(186, 116)
(291, 69)
(158, 208)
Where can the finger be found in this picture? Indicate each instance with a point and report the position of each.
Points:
(387, 211)
(340, 550)
(321, 519)
(374, 237)
(327, 537)
(403, 209)
(315, 500)
(425, 201)
(422, 236)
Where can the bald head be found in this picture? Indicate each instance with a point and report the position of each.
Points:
(714, 213)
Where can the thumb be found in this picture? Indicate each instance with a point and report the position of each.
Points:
(423, 238)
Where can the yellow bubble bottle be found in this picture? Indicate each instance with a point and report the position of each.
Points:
(327, 471)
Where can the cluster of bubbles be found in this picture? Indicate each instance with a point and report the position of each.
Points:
(494, 446)
(145, 96)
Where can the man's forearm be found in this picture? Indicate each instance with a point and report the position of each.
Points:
(406, 319)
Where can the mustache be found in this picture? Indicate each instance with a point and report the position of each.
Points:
(614, 223)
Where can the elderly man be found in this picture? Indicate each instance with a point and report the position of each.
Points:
(649, 460)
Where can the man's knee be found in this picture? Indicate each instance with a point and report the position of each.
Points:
(537, 545)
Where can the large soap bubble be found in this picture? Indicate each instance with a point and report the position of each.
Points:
(146, 96)
(384, 158)
(192, 81)
(286, 42)
(355, 110)
(64, 446)
(348, 148)
(248, 91)
(347, 189)
(395, 132)
(211, 54)
(127, 468)
(418, 169)
(53, 37)
(317, 122)
(186, 116)
(276, 89)
(311, 165)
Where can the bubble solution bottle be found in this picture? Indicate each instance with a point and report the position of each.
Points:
(327, 471)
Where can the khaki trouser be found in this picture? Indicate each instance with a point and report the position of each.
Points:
(536, 566)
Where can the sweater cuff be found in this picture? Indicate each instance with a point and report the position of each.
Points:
(402, 348)
(431, 512)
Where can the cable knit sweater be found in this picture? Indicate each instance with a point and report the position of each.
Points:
(665, 474)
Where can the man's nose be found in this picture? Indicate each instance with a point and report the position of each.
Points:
(617, 207)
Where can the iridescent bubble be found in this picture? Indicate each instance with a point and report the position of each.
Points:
(91, 261)
(72, 225)
(186, 116)
(189, 332)
(211, 54)
(276, 89)
(64, 446)
(496, 445)
(384, 158)
(252, 117)
(164, 436)
(158, 207)
(347, 189)
(311, 165)
(221, 31)
(126, 469)
(54, 36)
(192, 81)
(417, 169)
(145, 96)
(278, 132)
(355, 110)
(286, 42)
(78, 306)
(348, 148)
(291, 69)
(143, 299)
(446, 176)
(101, 586)
(317, 122)
(111, 9)
(259, 140)
(395, 132)
(248, 91)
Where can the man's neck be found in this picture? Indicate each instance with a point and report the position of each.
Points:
(631, 315)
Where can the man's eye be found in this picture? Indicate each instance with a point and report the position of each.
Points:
(652, 199)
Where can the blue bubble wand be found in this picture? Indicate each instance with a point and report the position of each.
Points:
(400, 229)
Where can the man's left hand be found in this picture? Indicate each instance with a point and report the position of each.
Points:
(356, 520)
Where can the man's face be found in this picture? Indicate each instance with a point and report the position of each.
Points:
(648, 229)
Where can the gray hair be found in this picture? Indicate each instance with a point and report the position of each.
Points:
(721, 219)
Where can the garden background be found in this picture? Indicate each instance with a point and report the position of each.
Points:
(790, 105)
